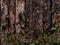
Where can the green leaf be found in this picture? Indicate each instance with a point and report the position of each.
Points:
(32, 43)
(45, 35)
(17, 43)
(21, 43)
(37, 41)
(11, 38)
(53, 28)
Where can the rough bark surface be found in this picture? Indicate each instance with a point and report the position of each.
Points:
(25, 19)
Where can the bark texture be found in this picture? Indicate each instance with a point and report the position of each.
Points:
(28, 20)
